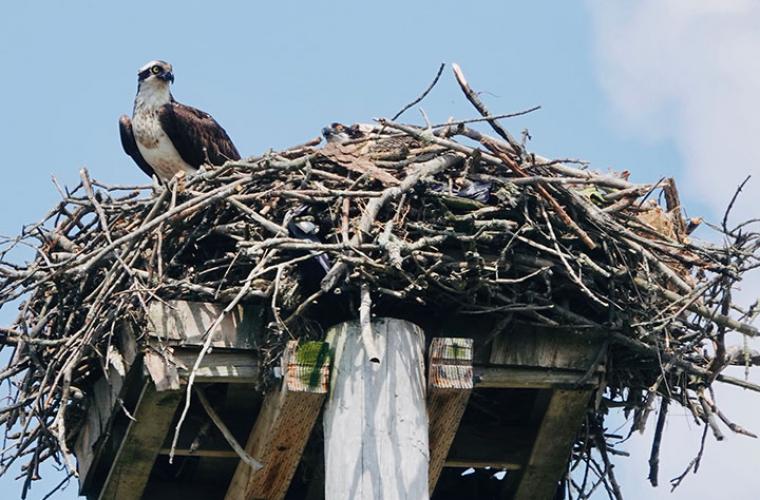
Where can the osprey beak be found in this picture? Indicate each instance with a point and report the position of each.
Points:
(168, 77)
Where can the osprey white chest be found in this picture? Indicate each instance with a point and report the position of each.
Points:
(155, 145)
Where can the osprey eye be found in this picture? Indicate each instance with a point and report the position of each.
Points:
(155, 70)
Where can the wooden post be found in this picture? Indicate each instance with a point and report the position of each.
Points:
(375, 420)
(141, 444)
(551, 449)
(449, 389)
(284, 424)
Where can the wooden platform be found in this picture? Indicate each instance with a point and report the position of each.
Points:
(511, 401)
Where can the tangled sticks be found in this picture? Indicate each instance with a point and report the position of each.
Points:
(440, 217)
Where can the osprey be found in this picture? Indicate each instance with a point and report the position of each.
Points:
(165, 137)
(339, 133)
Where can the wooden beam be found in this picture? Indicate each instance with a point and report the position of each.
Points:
(170, 367)
(96, 434)
(162, 369)
(449, 388)
(201, 452)
(533, 346)
(284, 423)
(375, 421)
(105, 423)
(141, 443)
(551, 449)
(519, 377)
(187, 323)
(228, 367)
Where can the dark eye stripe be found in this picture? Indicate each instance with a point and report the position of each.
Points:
(143, 74)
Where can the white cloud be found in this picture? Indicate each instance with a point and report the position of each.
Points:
(688, 71)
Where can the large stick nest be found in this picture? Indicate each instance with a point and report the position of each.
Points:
(436, 218)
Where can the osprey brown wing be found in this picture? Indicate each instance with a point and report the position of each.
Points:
(130, 145)
(197, 137)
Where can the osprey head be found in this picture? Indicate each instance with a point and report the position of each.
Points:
(155, 72)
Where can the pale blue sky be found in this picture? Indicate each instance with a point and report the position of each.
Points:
(273, 74)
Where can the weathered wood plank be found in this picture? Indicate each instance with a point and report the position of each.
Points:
(284, 424)
(85, 449)
(201, 452)
(375, 421)
(170, 367)
(162, 369)
(552, 446)
(449, 388)
(230, 367)
(525, 345)
(516, 377)
(140, 446)
(127, 342)
(103, 407)
(186, 323)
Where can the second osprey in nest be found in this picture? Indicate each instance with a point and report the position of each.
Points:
(165, 137)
